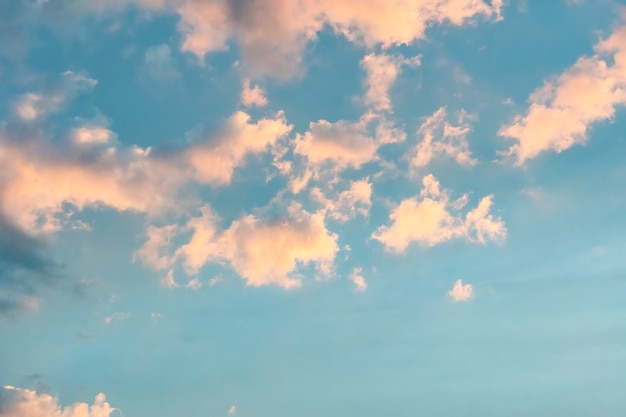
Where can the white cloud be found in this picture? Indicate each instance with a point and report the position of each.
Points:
(441, 139)
(381, 72)
(272, 34)
(432, 218)
(35, 105)
(18, 402)
(262, 251)
(461, 292)
(561, 112)
(357, 199)
(215, 157)
(168, 280)
(122, 178)
(252, 96)
(338, 145)
(119, 316)
(194, 284)
(356, 276)
(232, 409)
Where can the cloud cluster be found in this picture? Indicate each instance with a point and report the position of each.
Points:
(272, 34)
(263, 251)
(438, 139)
(432, 218)
(18, 402)
(561, 112)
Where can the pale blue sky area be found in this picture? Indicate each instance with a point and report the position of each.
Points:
(110, 128)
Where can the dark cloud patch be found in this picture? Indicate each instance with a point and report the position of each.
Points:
(25, 269)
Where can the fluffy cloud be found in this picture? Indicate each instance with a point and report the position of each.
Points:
(35, 105)
(215, 157)
(561, 111)
(461, 292)
(252, 96)
(272, 34)
(18, 402)
(432, 218)
(262, 251)
(441, 139)
(39, 179)
(348, 203)
(356, 276)
(381, 72)
(338, 145)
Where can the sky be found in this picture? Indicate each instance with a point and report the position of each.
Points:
(312, 208)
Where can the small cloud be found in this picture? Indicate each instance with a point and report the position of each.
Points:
(215, 280)
(81, 225)
(461, 292)
(159, 64)
(232, 409)
(194, 284)
(168, 281)
(119, 316)
(357, 278)
(252, 96)
(156, 317)
(84, 335)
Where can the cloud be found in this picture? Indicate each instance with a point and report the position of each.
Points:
(35, 105)
(348, 203)
(461, 292)
(441, 139)
(252, 96)
(432, 218)
(356, 276)
(232, 409)
(158, 63)
(18, 402)
(338, 145)
(561, 112)
(262, 251)
(41, 178)
(215, 156)
(25, 269)
(194, 284)
(381, 72)
(273, 34)
(118, 316)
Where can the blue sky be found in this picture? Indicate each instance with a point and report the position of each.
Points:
(305, 208)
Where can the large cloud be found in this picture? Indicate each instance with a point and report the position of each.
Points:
(432, 218)
(261, 250)
(18, 402)
(272, 34)
(562, 111)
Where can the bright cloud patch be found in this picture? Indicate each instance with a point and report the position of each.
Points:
(348, 203)
(261, 251)
(561, 111)
(461, 292)
(356, 276)
(18, 402)
(252, 96)
(272, 34)
(432, 218)
(438, 139)
(214, 157)
(382, 70)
